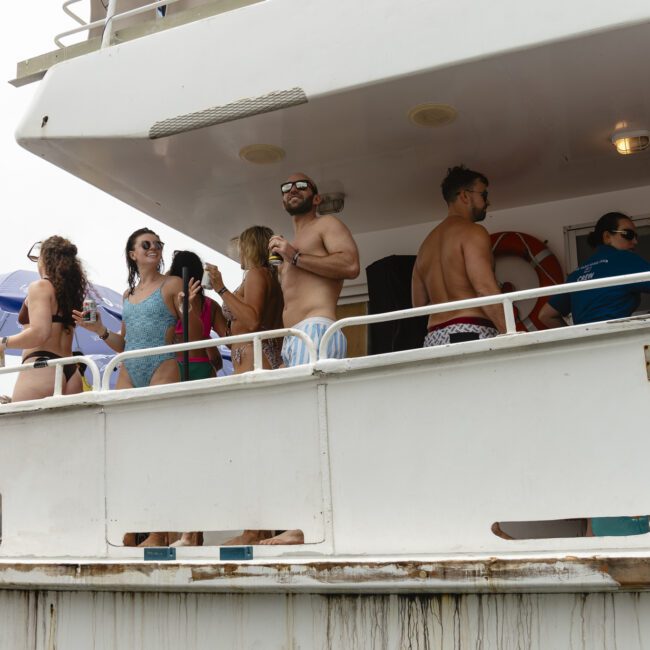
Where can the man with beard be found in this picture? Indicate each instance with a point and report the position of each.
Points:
(455, 263)
(321, 255)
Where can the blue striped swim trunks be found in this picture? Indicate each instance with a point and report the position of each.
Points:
(294, 350)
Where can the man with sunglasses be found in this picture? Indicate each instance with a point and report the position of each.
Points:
(455, 263)
(321, 255)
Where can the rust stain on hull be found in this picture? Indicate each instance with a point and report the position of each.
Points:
(486, 575)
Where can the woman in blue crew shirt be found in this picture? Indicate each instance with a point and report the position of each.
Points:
(615, 239)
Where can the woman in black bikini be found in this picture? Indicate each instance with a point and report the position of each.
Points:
(46, 317)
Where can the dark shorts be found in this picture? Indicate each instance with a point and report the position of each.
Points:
(457, 330)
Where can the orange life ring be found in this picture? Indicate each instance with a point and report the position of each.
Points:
(546, 266)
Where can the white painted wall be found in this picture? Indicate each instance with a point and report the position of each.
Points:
(418, 452)
(544, 221)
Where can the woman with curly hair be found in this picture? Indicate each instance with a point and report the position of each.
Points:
(46, 317)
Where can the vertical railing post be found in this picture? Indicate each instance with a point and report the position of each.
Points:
(257, 353)
(108, 27)
(185, 376)
(509, 313)
(58, 379)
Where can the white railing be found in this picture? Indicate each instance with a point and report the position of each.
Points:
(58, 372)
(255, 337)
(506, 299)
(106, 23)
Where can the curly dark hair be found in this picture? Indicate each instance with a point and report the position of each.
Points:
(64, 270)
(130, 264)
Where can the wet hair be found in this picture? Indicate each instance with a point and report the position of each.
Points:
(130, 264)
(64, 270)
(459, 178)
(193, 263)
(605, 224)
(254, 246)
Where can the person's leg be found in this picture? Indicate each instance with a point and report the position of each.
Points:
(248, 537)
(287, 537)
(123, 379)
(189, 539)
(34, 384)
(166, 373)
(73, 385)
(155, 539)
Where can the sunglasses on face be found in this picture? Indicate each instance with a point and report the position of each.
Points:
(300, 185)
(155, 245)
(34, 252)
(626, 233)
(484, 193)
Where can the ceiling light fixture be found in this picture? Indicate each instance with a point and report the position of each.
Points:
(631, 141)
(432, 115)
(262, 154)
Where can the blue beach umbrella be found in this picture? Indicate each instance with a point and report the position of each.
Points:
(13, 290)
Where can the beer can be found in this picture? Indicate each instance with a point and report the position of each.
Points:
(275, 259)
(89, 311)
(206, 282)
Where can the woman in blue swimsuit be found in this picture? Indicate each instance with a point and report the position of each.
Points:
(151, 308)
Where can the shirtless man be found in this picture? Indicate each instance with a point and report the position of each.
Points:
(455, 263)
(321, 255)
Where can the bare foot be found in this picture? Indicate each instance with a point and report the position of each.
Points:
(154, 539)
(189, 539)
(287, 537)
(248, 537)
(129, 539)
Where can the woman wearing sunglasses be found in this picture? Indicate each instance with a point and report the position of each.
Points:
(152, 306)
(615, 239)
(47, 318)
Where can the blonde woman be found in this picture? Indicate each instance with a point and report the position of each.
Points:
(255, 305)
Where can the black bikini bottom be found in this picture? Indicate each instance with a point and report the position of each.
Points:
(45, 355)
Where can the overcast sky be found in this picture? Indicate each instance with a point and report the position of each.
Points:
(39, 199)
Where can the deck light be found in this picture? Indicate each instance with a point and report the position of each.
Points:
(630, 141)
(432, 115)
(262, 154)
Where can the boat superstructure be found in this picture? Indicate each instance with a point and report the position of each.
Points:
(442, 492)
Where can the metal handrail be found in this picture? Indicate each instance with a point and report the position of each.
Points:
(107, 23)
(255, 337)
(73, 15)
(506, 299)
(58, 372)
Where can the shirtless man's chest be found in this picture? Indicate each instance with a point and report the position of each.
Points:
(307, 295)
